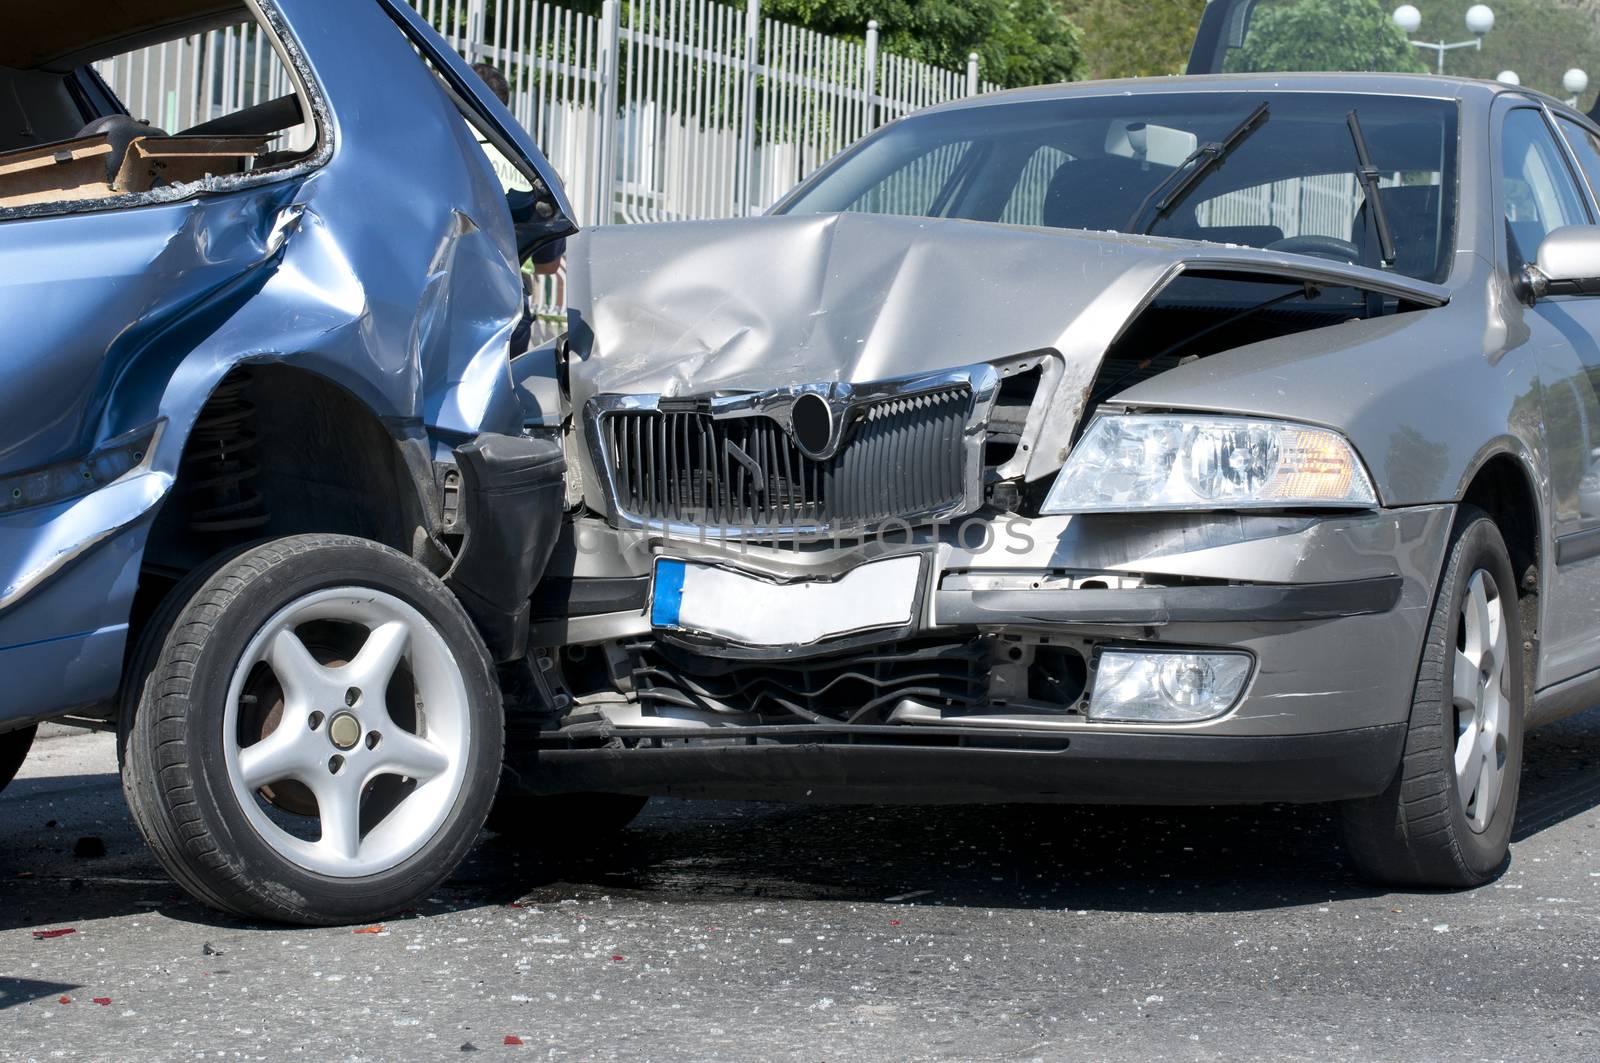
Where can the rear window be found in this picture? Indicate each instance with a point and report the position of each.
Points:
(209, 98)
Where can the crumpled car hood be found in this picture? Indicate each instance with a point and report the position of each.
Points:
(703, 307)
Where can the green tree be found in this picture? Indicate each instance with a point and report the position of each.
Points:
(1019, 42)
(1135, 38)
(1325, 35)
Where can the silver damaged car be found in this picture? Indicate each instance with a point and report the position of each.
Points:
(1210, 440)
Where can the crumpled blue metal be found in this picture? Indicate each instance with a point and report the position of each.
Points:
(387, 264)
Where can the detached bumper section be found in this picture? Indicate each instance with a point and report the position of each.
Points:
(512, 489)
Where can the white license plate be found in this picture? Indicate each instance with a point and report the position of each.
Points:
(752, 611)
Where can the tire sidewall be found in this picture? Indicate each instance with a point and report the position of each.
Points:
(318, 897)
(1480, 547)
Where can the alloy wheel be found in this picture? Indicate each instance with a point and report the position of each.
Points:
(348, 710)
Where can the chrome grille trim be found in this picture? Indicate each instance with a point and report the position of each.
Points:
(906, 450)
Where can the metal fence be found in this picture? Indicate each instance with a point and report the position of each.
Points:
(655, 110)
(674, 109)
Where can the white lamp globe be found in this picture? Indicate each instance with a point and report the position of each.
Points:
(1407, 17)
(1575, 81)
(1508, 77)
(1480, 20)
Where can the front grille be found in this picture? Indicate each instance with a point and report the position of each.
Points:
(901, 458)
(860, 687)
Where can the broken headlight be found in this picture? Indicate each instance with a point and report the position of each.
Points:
(1127, 462)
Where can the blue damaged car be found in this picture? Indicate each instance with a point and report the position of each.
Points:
(267, 505)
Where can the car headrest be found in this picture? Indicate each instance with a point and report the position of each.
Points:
(1099, 193)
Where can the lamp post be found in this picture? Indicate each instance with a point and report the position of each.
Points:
(1480, 20)
(1575, 81)
(1508, 77)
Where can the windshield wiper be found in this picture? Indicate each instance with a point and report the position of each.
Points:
(1201, 161)
(1368, 175)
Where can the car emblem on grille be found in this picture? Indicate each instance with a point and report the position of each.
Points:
(811, 425)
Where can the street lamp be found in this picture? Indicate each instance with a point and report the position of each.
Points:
(1480, 20)
(1508, 77)
(1575, 81)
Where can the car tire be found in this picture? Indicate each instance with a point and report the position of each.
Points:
(14, 746)
(1445, 821)
(563, 824)
(318, 733)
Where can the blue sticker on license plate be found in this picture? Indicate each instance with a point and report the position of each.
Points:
(667, 603)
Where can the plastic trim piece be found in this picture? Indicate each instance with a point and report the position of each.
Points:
(1578, 546)
(910, 765)
(1158, 606)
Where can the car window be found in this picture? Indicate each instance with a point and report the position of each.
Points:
(1586, 146)
(1284, 35)
(1096, 162)
(175, 135)
(922, 187)
(1539, 192)
(1025, 206)
(1318, 204)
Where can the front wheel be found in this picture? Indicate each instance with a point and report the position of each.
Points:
(1445, 820)
(318, 736)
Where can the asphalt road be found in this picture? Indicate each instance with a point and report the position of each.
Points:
(740, 931)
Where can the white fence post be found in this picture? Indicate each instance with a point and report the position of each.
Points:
(747, 197)
(972, 74)
(605, 175)
(475, 40)
(869, 78)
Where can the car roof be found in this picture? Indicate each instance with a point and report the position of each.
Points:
(64, 34)
(1426, 86)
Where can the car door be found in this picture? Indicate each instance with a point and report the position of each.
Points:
(553, 217)
(1539, 190)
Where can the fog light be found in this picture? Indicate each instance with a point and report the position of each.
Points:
(1166, 687)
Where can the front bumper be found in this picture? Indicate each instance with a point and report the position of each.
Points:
(1332, 610)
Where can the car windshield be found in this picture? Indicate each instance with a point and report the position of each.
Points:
(1111, 163)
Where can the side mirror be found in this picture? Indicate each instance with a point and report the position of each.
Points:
(1568, 263)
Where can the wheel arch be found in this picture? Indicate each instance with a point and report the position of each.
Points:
(278, 449)
(1503, 486)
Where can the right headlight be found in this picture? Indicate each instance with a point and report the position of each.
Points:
(1132, 462)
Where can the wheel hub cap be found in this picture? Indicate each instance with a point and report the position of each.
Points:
(345, 731)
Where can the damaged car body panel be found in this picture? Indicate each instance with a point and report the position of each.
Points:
(143, 308)
(1243, 368)
(268, 507)
(855, 298)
